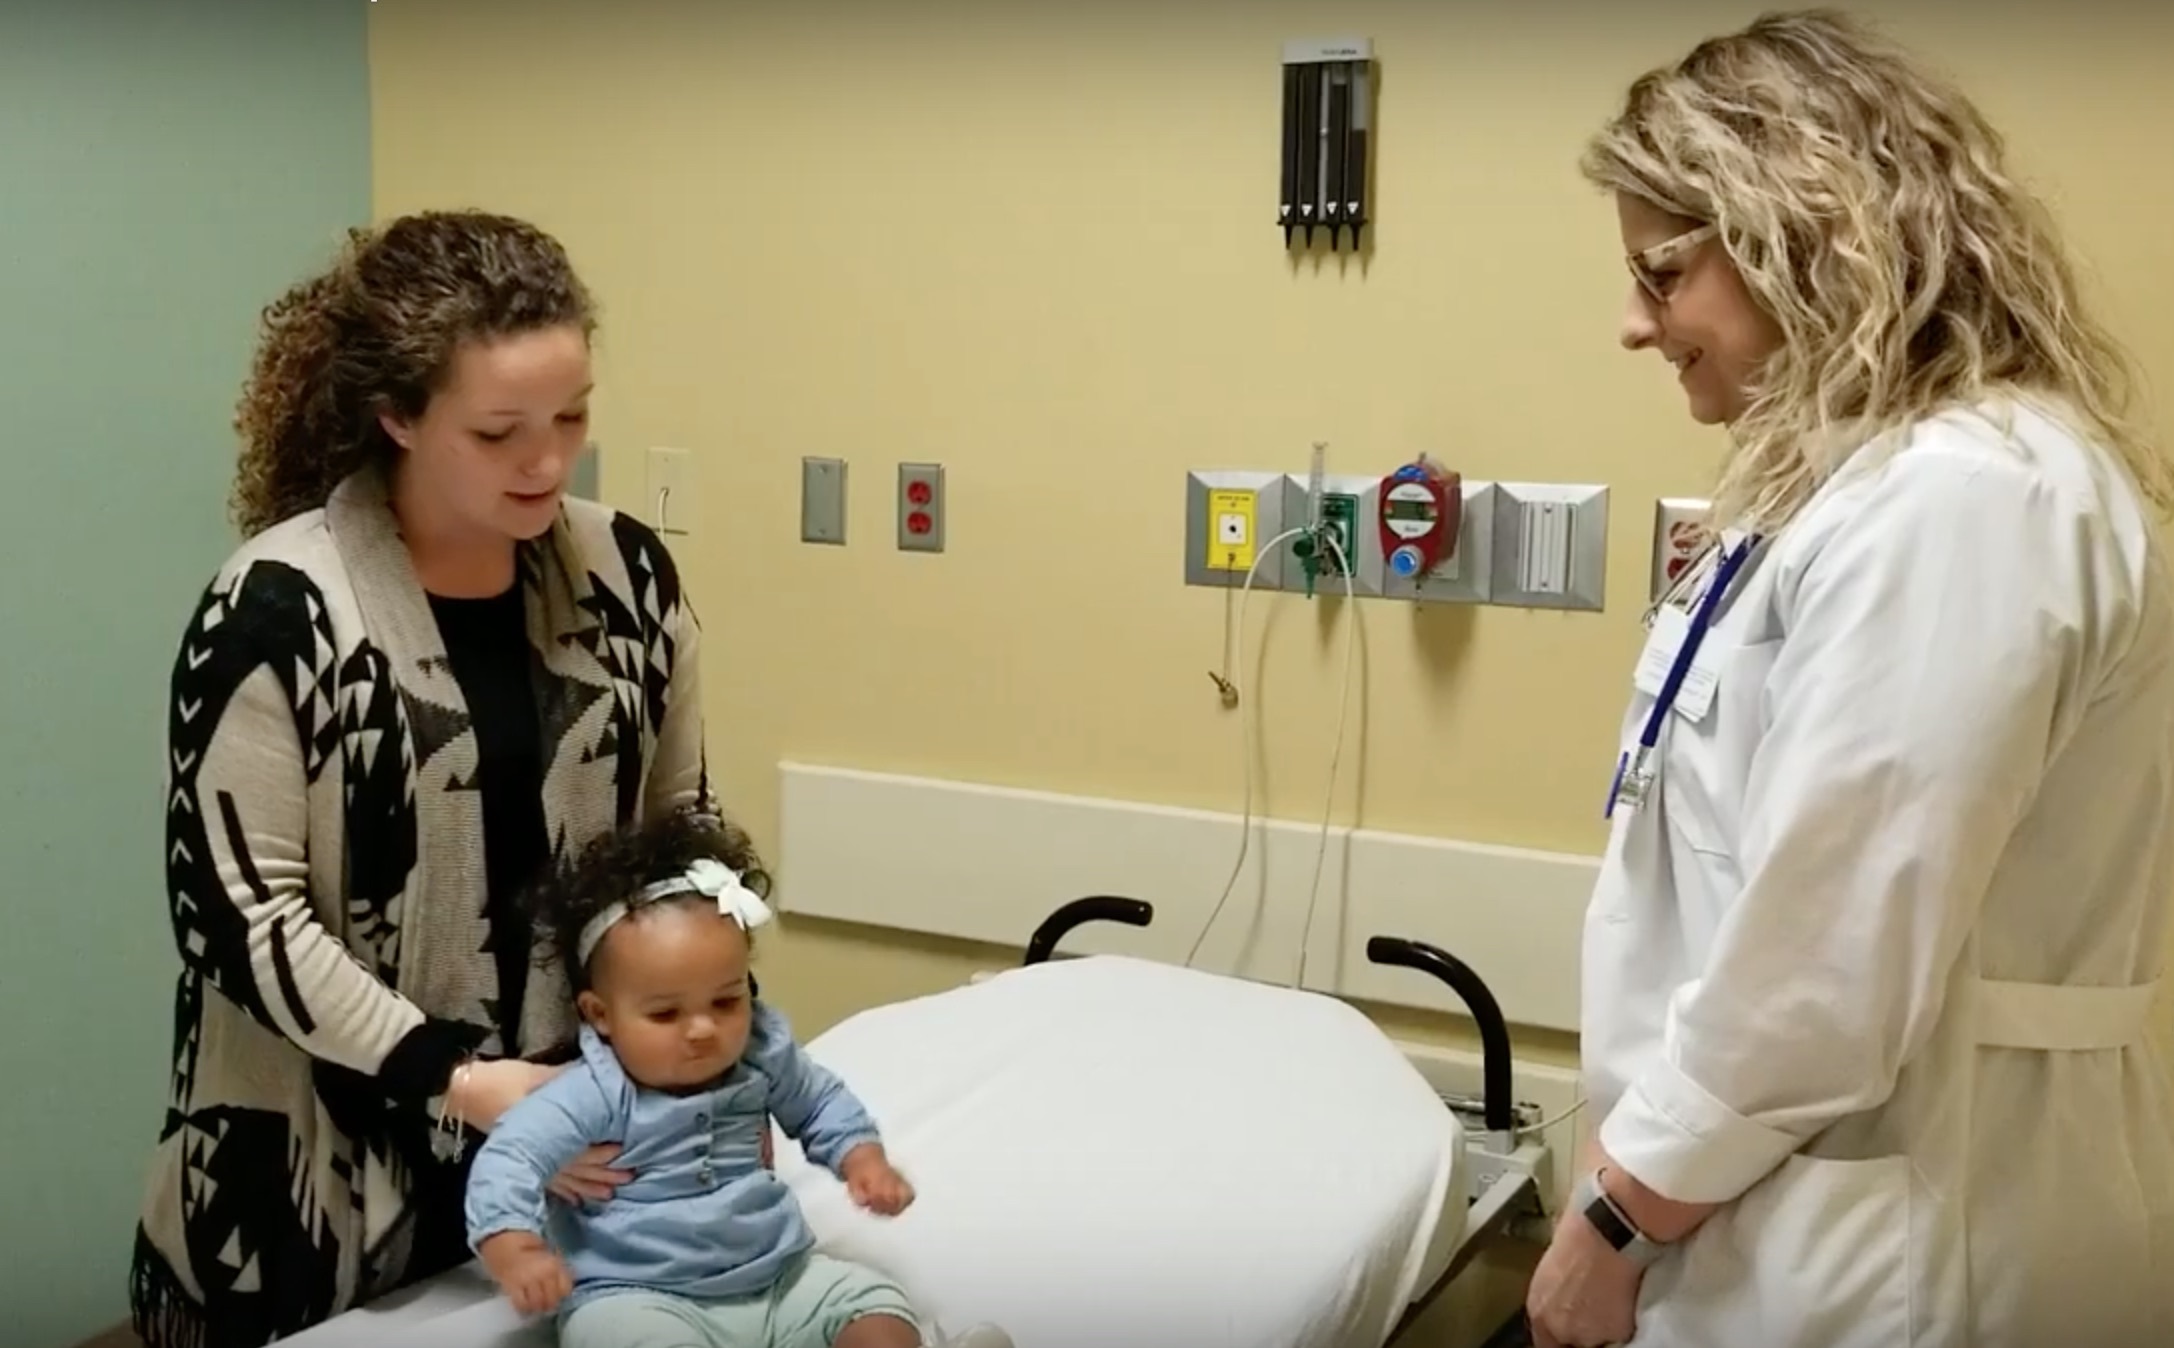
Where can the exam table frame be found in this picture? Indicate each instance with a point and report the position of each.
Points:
(1493, 1213)
(1505, 1201)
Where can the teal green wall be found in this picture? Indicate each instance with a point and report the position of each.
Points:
(165, 169)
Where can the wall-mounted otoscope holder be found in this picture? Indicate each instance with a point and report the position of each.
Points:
(1328, 111)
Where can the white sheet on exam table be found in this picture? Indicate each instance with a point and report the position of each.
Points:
(1109, 1150)
(458, 1310)
(1112, 1150)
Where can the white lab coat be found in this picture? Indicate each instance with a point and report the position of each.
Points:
(1873, 967)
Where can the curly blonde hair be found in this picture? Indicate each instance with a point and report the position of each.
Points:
(376, 332)
(1869, 209)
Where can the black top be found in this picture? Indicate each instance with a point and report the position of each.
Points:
(486, 642)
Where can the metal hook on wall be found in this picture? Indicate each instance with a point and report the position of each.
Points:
(664, 496)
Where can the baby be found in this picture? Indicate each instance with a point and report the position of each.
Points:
(682, 1066)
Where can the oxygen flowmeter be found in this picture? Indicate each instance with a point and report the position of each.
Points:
(1421, 505)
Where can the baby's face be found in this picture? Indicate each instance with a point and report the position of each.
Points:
(670, 993)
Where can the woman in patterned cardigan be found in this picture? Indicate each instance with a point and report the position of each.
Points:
(424, 678)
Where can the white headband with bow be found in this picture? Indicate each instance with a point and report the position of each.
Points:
(705, 876)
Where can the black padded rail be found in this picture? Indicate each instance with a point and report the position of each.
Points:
(1080, 912)
(1496, 1093)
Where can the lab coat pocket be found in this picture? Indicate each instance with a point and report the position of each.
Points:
(1708, 764)
(1819, 1254)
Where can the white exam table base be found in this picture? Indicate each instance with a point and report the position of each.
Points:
(1112, 1150)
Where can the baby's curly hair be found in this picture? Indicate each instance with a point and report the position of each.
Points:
(616, 866)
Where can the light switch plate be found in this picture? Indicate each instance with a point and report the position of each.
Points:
(673, 504)
(921, 507)
(1550, 545)
(822, 500)
(583, 480)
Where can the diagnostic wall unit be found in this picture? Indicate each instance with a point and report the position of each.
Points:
(1328, 119)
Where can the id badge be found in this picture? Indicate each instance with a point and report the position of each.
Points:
(1671, 626)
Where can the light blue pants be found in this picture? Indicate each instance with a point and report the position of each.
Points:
(806, 1308)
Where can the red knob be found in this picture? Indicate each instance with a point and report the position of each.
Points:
(918, 522)
(918, 493)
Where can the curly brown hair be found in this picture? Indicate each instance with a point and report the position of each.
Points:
(376, 332)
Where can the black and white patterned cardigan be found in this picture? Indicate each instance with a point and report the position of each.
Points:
(325, 872)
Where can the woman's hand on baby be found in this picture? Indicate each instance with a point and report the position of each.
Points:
(529, 1272)
(872, 1182)
(482, 1092)
(590, 1176)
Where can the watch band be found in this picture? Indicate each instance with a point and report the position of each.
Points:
(1614, 1225)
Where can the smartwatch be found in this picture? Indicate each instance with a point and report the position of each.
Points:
(1590, 1200)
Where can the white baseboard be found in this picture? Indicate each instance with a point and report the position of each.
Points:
(987, 864)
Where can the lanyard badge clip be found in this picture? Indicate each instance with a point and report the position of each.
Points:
(1633, 780)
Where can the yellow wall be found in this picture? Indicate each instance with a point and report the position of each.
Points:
(1034, 242)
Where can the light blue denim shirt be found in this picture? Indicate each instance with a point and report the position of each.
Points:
(702, 1217)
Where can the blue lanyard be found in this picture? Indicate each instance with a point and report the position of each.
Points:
(1630, 770)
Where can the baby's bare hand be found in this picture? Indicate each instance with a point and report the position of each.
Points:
(530, 1273)
(880, 1189)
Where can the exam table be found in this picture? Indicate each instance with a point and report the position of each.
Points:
(1114, 1150)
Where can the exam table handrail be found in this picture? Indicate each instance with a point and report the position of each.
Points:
(1496, 1092)
(1080, 912)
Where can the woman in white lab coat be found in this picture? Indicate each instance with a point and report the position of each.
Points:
(1870, 967)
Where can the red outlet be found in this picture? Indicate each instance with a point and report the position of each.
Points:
(1679, 536)
(921, 507)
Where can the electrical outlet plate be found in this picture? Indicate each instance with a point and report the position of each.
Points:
(822, 500)
(1348, 504)
(1232, 514)
(1679, 531)
(1550, 545)
(1466, 576)
(921, 507)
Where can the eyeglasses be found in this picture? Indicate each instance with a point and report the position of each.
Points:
(1644, 263)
